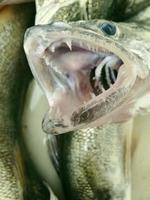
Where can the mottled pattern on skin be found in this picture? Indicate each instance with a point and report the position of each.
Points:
(135, 74)
(72, 10)
(91, 170)
(16, 182)
(133, 7)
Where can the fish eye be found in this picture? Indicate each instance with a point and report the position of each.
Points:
(108, 28)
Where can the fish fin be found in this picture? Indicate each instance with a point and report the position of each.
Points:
(19, 168)
(51, 193)
(53, 151)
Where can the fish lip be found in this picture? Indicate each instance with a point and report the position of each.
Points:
(109, 44)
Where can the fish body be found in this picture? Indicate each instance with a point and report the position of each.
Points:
(17, 181)
(73, 10)
(94, 160)
(98, 163)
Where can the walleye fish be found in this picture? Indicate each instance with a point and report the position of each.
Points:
(8, 25)
(17, 179)
(93, 74)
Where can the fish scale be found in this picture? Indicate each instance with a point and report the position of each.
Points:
(89, 162)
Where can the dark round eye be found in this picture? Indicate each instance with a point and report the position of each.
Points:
(108, 28)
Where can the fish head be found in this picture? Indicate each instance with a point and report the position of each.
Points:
(91, 72)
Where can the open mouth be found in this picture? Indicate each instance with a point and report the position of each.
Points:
(85, 68)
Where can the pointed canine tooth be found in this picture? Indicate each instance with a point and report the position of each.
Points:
(92, 95)
(51, 64)
(88, 46)
(103, 90)
(55, 45)
(96, 49)
(52, 48)
(69, 44)
(81, 44)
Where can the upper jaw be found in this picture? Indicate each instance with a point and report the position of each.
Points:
(51, 55)
(63, 51)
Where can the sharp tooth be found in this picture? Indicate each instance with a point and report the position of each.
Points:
(103, 89)
(69, 44)
(96, 49)
(92, 95)
(52, 48)
(47, 61)
(80, 44)
(88, 46)
(52, 64)
(55, 45)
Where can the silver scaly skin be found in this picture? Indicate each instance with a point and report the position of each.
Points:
(95, 162)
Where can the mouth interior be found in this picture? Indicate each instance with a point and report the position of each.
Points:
(84, 68)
